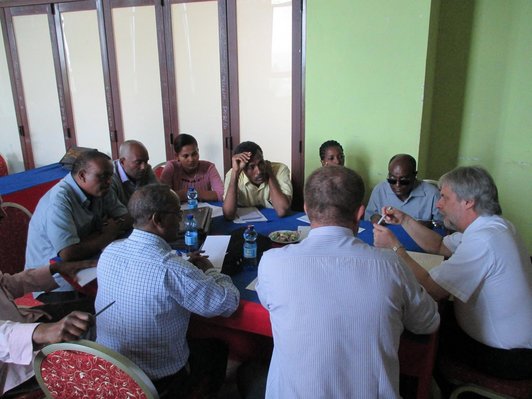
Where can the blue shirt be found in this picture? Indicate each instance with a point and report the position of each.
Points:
(337, 308)
(63, 217)
(155, 291)
(420, 204)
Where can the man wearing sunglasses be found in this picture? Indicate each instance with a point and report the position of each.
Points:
(403, 191)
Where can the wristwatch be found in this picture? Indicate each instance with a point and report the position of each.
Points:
(397, 247)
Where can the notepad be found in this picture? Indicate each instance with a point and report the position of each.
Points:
(427, 261)
(216, 248)
(248, 215)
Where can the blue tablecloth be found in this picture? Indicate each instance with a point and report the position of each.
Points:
(221, 226)
(23, 180)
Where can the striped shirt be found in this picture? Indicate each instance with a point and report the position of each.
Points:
(155, 291)
(337, 308)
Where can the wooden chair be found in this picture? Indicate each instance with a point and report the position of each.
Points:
(13, 235)
(467, 379)
(4, 167)
(85, 369)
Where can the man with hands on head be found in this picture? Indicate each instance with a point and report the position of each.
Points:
(488, 272)
(252, 181)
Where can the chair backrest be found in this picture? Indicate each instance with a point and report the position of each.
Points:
(89, 370)
(158, 169)
(13, 236)
(4, 167)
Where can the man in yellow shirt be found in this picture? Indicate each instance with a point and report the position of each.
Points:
(262, 183)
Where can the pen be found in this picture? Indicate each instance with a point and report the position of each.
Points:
(383, 216)
(105, 308)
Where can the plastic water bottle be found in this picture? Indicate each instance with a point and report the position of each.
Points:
(191, 233)
(250, 248)
(192, 197)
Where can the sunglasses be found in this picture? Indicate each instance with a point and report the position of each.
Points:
(402, 182)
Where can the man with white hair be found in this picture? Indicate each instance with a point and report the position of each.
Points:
(488, 272)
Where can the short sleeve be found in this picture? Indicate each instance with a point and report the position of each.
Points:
(283, 177)
(167, 175)
(464, 271)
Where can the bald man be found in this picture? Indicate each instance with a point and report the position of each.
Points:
(131, 170)
(403, 191)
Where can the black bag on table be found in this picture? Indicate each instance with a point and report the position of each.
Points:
(233, 260)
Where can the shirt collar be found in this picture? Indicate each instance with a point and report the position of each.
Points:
(149, 238)
(417, 191)
(331, 230)
(85, 201)
(121, 172)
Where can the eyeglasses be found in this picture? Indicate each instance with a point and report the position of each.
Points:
(402, 182)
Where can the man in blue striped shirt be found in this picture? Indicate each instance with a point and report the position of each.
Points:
(156, 291)
(338, 306)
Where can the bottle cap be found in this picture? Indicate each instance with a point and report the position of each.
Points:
(190, 216)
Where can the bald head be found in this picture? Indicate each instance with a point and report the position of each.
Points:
(134, 159)
(402, 175)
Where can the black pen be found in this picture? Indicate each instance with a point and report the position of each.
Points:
(105, 308)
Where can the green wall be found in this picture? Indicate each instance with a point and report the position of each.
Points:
(449, 82)
(364, 80)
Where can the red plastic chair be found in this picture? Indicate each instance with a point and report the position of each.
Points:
(85, 369)
(158, 169)
(467, 379)
(13, 236)
(4, 168)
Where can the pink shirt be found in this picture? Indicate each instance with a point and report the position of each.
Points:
(206, 178)
(16, 345)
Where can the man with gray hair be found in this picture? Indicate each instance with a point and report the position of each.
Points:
(155, 290)
(131, 170)
(338, 306)
(488, 273)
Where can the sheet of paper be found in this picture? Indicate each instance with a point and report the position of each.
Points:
(427, 261)
(85, 276)
(251, 286)
(360, 229)
(216, 210)
(247, 215)
(304, 218)
(303, 231)
(216, 248)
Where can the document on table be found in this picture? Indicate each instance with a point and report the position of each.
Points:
(427, 261)
(251, 286)
(85, 276)
(216, 210)
(216, 248)
(248, 215)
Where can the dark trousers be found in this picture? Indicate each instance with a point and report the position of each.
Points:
(511, 364)
(59, 304)
(207, 363)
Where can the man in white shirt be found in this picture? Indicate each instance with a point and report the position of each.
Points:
(338, 306)
(488, 272)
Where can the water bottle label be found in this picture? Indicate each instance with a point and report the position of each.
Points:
(191, 239)
(250, 251)
(192, 203)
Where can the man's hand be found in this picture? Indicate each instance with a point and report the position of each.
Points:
(384, 238)
(69, 328)
(200, 261)
(393, 216)
(239, 161)
(267, 171)
(70, 269)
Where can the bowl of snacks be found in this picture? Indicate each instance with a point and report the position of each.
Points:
(284, 236)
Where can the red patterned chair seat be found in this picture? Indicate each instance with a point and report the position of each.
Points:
(468, 379)
(84, 369)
